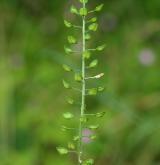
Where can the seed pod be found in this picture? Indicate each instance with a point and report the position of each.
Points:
(67, 24)
(66, 85)
(93, 64)
(71, 40)
(74, 10)
(93, 127)
(62, 150)
(100, 48)
(83, 11)
(99, 7)
(66, 68)
(68, 115)
(93, 27)
(87, 54)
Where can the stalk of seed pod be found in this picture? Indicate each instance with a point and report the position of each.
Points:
(87, 27)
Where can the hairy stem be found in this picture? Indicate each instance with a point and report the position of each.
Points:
(80, 152)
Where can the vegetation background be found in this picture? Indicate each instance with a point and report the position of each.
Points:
(32, 98)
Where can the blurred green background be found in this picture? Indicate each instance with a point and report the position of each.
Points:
(32, 99)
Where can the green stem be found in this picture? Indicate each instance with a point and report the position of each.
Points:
(80, 147)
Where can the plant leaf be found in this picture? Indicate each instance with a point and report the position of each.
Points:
(62, 150)
(66, 68)
(93, 27)
(93, 64)
(68, 115)
(67, 24)
(83, 11)
(99, 7)
(66, 85)
(71, 40)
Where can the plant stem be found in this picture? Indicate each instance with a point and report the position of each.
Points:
(80, 147)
